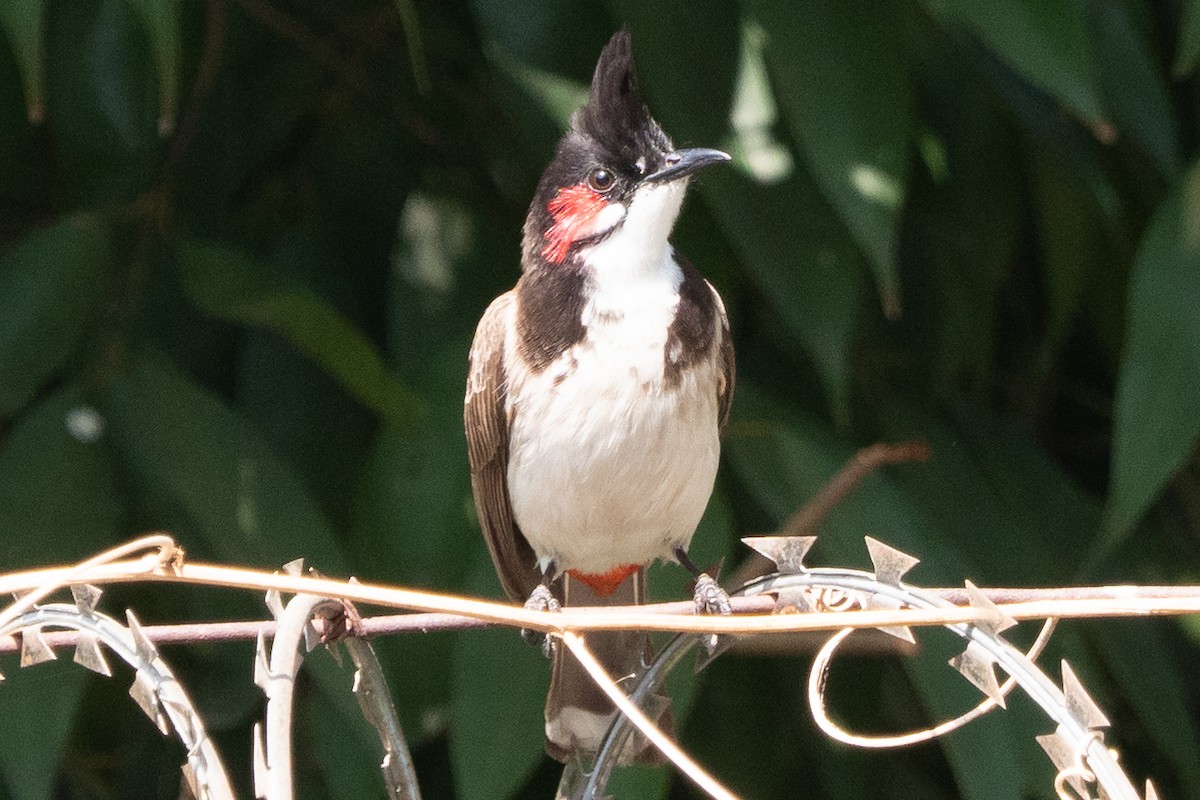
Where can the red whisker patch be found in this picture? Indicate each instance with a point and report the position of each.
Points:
(605, 583)
(573, 208)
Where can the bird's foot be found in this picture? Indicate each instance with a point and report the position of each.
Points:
(541, 599)
(710, 598)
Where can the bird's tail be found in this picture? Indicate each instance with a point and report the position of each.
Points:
(578, 712)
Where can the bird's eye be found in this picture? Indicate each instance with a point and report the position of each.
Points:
(600, 180)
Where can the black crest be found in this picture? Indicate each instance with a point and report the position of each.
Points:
(615, 114)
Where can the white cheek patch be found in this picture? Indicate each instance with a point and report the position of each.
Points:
(608, 218)
(639, 250)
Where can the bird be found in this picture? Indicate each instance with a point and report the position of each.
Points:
(597, 390)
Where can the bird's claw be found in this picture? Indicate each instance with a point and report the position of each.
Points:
(710, 598)
(541, 599)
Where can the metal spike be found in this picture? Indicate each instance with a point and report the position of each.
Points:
(274, 604)
(1079, 703)
(34, 649)
(295, 567)
(145, 648)
(786, 551)
(793, 601)
(994, 621)
(976, 665)
(262, 667)
(89, 655)
(175, 703)
(712, 645)
(335, 653)
(890, 564)
(190, 781)
(1151, 792)
(261, 771)
(1063, 757)
(312, 639)
(901, 632)
(86, 597)
(145, 694)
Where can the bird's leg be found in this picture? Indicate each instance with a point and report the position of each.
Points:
(710, 598)
(542, 599)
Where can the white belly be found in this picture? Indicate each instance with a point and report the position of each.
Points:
(607, 466)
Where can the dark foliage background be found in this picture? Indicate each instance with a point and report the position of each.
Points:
(246, 243)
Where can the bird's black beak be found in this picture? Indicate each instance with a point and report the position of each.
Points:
(682, 163)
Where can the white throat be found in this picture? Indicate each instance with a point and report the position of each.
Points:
(638, 251)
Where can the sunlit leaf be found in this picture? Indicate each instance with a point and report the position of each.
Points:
(1156, 425)
(1045, 41)
(59, 273)
(230, 285)
(842, 79)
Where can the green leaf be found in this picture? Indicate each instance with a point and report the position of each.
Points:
(1153, 695)
(842, 78)
(559, 97)
(59, 500)
(1134, 89)
(102, 107)
(498, 689)
(1187, 54)
(1045, 41)
(21, 21)
(346, 747)
(807, 268)
(688, 66)
(160, 18)
(1155, 420)
(1073, 241)
(230, 285)
(211, 477)
(38, 706)
(963, 220)
(59, 273)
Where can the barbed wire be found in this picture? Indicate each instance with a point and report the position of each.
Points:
(830, 599)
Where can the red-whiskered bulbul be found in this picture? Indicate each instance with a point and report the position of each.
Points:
(597, 390)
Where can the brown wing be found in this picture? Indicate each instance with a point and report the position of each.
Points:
(728, 367)
(486, 422)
